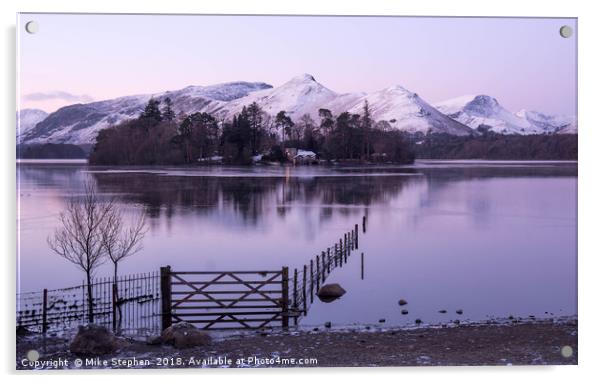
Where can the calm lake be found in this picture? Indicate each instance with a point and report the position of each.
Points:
(491, 238)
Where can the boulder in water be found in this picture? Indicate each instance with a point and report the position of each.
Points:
(330, 292)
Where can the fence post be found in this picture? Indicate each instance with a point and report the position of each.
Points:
(317, 273)
(355, 237)
(323, 267)
(336, 252)
(311, 280)
(346, 246)
(285, 297)
(304, 290)
(328, 259)
(341, 252)
(362, 266)
(45, 311)
(114, 300)
(165, 297)
(295, 296)
(364, 224)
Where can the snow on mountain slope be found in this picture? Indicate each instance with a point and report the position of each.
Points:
(549, 123)
(483, 110)
(300, 95)
(405, 110)
(401, 108)
(80, 123)
(27, 120)
(475, 111)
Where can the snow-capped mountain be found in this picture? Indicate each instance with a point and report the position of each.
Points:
(548, 123)
(80, 123)
(27, 120)
(486, 111)
(298, 96)
(401, 108)
(405, 110)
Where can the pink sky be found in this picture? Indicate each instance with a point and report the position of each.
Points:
(524, 63)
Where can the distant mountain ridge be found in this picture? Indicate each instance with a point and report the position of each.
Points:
(485, 111)
(27, 119)
(80, 123)
(400, 108)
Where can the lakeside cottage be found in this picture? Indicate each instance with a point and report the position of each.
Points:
(300, 156)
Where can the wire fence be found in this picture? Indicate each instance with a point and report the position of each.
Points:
(307, 280)
(132, 303)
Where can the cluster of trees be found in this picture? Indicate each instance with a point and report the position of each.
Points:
(494, 146)
(157, 136)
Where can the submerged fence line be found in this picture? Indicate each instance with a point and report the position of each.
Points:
(307, 280)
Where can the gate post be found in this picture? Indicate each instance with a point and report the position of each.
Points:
(165, 297)
(285, 298)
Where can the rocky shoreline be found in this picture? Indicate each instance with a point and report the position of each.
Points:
(534, 342)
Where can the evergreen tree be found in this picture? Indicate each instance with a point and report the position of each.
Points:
(168, 113)
(152, 111)
(366, 127)
(255, 118)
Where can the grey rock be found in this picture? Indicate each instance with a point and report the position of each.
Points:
(93, 339)
(330, 292)
(185, 335)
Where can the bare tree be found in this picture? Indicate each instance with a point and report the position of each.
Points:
(79, 238)
(121, 240)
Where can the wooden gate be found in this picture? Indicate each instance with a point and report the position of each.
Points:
(225, 299)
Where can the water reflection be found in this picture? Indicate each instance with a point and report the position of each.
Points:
(249, 199)
(491, 239)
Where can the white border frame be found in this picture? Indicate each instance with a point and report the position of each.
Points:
(590, 138)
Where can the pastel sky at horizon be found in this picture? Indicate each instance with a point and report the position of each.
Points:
(524, 63)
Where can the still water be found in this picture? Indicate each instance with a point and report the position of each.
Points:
(490, 238)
